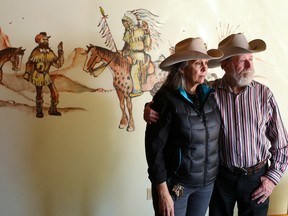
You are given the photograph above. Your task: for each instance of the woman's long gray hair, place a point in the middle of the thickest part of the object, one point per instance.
(175, 78)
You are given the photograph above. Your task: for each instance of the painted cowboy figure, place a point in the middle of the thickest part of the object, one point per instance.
(37, 72)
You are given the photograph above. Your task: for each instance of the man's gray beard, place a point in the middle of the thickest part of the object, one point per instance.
(244, 80)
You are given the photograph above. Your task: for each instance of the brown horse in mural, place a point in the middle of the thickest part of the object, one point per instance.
(12, 54)
(122, 81)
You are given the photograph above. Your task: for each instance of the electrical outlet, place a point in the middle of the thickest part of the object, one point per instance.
(148, 194)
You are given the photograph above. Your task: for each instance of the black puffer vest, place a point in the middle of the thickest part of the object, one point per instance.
(194, 138)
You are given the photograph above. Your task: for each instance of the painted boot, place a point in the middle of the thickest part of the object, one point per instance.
(53, 109)
(39, 113)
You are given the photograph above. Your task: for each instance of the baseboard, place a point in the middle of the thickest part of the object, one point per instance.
(279, 215)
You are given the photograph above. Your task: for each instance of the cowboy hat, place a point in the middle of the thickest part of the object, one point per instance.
(237, 44)
(190, 49)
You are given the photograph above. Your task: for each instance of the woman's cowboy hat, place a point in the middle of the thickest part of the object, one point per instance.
(190, 49)
(237, 44)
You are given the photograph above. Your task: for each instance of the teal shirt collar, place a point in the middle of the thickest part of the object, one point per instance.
(203, 91)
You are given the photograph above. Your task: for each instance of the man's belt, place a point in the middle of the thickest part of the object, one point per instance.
(245, 171)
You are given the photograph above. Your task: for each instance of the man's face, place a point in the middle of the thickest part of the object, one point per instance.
(125, 23)
(241, 69)
(44, 42)
(243, 62)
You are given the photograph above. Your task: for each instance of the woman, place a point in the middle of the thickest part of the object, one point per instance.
(182, 147)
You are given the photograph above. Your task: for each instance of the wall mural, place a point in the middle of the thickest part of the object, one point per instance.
(134, 71)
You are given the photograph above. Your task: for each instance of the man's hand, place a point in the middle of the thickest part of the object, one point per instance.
(60, 47)
(264, 190)
(149, 115)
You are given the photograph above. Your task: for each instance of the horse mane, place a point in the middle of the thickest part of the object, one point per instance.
(118, 59)
(7, 50)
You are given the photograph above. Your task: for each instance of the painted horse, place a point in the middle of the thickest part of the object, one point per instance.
(12, 54)
(122, 81)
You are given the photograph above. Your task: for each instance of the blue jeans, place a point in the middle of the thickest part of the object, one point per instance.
(230, 188)
(194, 202)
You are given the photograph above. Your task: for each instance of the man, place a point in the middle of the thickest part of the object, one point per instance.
(37, 72)
(137, 41)
(253, 140)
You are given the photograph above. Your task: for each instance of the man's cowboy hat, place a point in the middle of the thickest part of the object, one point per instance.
(190, 49)
(41, 35)
(237, 44)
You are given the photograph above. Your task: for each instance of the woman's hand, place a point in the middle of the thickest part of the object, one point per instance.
(166, 204)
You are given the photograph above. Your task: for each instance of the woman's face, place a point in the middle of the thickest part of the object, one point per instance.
(195, 72)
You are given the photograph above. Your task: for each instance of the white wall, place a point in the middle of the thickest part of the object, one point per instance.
(81, 164)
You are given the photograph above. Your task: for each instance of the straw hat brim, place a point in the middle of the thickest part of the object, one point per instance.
(189, 55)
(255, 46)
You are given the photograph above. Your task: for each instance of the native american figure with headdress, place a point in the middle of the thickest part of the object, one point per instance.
(140, 36)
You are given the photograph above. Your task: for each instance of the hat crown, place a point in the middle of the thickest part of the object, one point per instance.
(235, 40)
(190, 49)
(191, 44)
(43, 33)
(237, 44)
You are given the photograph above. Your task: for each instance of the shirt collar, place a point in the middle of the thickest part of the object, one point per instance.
(202, 92)
(44, 50)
